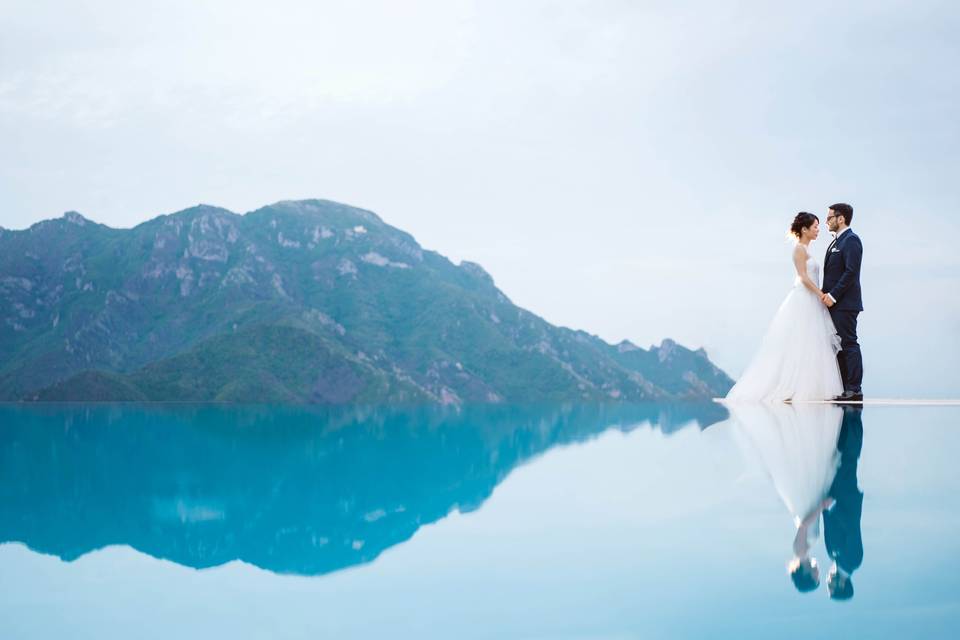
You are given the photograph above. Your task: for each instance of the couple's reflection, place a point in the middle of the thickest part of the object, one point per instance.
(810, 453)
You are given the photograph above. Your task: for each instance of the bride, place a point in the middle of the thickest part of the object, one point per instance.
(797, 359)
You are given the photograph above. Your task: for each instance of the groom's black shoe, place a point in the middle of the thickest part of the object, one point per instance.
(849, 396)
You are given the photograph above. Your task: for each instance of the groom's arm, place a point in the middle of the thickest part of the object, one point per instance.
(852, 252)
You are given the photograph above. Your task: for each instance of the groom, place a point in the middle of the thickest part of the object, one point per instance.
(841, 286)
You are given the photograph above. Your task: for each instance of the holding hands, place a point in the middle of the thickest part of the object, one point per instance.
(827, 300)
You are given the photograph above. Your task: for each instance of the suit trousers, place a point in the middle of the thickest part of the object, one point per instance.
(849, 358)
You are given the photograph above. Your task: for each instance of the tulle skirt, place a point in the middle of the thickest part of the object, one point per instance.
(797, 359)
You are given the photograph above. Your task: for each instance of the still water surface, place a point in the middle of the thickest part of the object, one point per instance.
(508, 522)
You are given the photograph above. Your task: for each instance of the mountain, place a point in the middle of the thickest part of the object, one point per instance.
(301, 301)
(294, 489)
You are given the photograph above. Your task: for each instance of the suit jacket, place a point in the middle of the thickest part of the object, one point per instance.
(841, 272)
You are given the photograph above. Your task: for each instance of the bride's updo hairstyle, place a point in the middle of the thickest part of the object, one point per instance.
(802, 221)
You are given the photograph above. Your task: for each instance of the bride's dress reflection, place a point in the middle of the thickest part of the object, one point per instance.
(810, 453)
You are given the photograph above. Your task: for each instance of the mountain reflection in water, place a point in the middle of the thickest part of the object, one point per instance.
(289, 489)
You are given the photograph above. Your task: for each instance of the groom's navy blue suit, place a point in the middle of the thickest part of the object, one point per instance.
(841, 279)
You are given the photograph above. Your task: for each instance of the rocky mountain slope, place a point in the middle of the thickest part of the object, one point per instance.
(300, 301)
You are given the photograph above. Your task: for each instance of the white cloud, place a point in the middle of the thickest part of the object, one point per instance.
(620, 167)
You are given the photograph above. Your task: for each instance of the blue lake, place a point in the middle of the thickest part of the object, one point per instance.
(562, 521)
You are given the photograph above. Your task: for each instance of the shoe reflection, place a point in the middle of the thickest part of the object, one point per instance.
(810, 452)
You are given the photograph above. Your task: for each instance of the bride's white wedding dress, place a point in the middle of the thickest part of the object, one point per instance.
(797, 359)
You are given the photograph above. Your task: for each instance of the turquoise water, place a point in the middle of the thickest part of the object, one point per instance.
(509, 522)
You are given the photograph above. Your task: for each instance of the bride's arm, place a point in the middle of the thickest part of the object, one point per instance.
(801, 542)
(800, 262)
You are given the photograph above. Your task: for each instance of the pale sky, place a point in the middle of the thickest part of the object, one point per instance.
(626, 168)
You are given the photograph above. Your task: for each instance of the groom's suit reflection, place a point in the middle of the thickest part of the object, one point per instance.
(841, 521)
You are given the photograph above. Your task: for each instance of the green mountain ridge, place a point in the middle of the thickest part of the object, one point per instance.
(300, 301)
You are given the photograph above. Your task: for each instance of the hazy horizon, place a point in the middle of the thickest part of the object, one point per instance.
(628, 169)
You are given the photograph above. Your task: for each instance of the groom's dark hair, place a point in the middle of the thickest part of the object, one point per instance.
(845, 210)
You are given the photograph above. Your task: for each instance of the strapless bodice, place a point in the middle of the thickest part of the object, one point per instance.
(813, 271)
